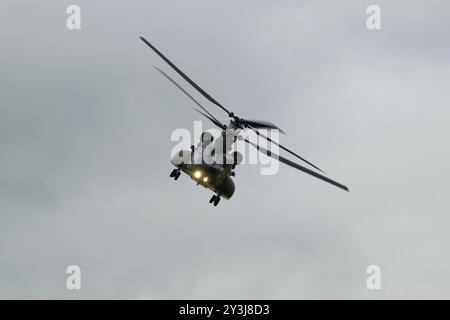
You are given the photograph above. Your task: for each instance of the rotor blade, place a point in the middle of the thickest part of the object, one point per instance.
(192, 83)
(284, 148)
(262, 124)
(185, 92)
(213, 120)
(297, 166)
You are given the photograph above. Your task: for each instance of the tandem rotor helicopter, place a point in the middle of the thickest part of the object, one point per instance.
(211, 162)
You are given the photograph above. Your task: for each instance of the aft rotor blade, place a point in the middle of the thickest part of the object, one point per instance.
(185, 77)
(284, 148)
(213, 120)
(261, 124)
(185, 92)
(297, 166)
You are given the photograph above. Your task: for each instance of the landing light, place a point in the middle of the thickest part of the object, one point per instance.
(205, 179)
(197, 174)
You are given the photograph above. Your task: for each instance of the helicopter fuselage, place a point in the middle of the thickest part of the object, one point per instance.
(208, 165)
(215, 178)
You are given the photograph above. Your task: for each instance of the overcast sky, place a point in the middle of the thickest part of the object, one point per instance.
(85, 125)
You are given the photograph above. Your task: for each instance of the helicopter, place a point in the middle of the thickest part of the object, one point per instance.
(212, 163)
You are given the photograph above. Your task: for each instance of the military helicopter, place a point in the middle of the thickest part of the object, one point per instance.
(211, 163)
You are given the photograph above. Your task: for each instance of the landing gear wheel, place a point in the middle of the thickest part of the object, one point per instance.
(213, 198)
(173, 173)
(216, 201)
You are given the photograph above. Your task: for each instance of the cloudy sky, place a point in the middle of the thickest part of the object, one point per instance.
(85, 125)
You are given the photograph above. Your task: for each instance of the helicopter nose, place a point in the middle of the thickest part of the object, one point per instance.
(180, 158)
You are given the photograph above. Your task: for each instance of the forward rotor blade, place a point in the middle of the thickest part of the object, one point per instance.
(262, 124)
(297, 166)
(185, 77)
(185, 92)
(213, 120)
(284, 148)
